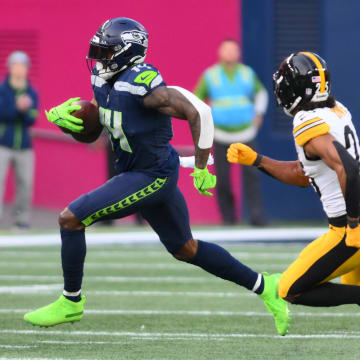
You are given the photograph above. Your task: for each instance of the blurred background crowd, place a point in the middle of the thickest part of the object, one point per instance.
(224, 52)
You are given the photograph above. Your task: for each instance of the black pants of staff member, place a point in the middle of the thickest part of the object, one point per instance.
(251, 188)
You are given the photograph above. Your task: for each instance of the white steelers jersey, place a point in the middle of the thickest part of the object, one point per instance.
(310, 124)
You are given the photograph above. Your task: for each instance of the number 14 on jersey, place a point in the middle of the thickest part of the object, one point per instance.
(112, 120)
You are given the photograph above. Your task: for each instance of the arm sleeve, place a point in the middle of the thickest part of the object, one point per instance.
(201, 89)
(308, 127)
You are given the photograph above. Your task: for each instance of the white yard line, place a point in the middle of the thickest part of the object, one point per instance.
(195, 313)
(37, 358)
(169, 336)
(82, 342)
(170, 293)
(149, 237)
(119, 254)
(54, 288)
(131, 266)
(2, 346)
(31, 289)
(116, 279)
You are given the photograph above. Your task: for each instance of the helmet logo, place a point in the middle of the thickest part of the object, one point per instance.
(95, 39)
(321, 96)
(134, 36)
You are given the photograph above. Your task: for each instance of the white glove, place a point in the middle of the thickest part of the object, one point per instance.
(189, 161)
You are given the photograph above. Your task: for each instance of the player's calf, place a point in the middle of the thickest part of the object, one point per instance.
(219, 262)
(73, 251)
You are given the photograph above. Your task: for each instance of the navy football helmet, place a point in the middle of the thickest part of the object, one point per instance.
(302, 77)
(118, 44)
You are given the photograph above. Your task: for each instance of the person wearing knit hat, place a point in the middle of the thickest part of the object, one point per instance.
(18, 111)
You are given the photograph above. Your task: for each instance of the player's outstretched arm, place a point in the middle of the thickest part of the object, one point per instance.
(288, 172)
(180, 103)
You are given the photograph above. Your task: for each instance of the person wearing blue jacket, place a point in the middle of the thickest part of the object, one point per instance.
(18, 112)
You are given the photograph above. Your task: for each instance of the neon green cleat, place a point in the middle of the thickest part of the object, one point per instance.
(59, 312)
(275, 304)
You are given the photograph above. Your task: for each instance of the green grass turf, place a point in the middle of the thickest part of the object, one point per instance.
(145, 278)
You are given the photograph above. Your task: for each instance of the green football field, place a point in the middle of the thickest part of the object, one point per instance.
(142, 304)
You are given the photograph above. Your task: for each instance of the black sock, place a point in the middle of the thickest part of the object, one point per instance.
(329, 294)
(217, 261)
(73, 251)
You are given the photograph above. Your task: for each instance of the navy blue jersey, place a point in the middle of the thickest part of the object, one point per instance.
(139, 136)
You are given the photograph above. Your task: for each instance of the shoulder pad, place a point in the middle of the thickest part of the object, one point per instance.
(308, 125)
(140, 80)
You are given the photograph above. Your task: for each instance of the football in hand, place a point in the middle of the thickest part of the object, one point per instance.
(89, 113)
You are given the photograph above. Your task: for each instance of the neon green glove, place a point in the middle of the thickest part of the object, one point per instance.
(203, 181)
(61, 116)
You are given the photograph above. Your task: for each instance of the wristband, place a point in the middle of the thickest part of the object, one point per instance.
(353, 224)
(258, 160)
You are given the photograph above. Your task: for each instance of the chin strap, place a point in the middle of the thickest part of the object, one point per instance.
(104, 73)
(293, 106)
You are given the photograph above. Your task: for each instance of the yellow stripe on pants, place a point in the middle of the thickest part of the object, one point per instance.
(314, 252)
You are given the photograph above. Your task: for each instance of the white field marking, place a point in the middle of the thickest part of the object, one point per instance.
(50, 289)
(116, 279)
(195, 313)
(149, 237)
(118, 253)
(131, 266)
(32, 358)
(17, 346)
(31, 289)
(169, 336)
(82, 342)
(171, 293)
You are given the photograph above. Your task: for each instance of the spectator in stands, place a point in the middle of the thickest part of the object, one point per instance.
(18, 111)
(239, 101)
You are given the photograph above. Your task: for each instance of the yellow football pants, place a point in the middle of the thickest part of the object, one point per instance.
(323, 259)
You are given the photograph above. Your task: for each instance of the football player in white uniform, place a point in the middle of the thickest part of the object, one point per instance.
(328, 155)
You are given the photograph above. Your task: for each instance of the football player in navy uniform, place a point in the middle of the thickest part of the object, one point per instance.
(135, 107)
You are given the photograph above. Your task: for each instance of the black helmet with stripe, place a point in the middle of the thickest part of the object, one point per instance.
(302, 78)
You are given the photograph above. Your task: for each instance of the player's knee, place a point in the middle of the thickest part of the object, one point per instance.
(284, 291)
(187, 251)
(68, 221)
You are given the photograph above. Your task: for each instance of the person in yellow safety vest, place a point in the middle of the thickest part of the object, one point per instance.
(238, 101)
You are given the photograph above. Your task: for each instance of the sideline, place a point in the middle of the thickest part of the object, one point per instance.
(148, 237)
